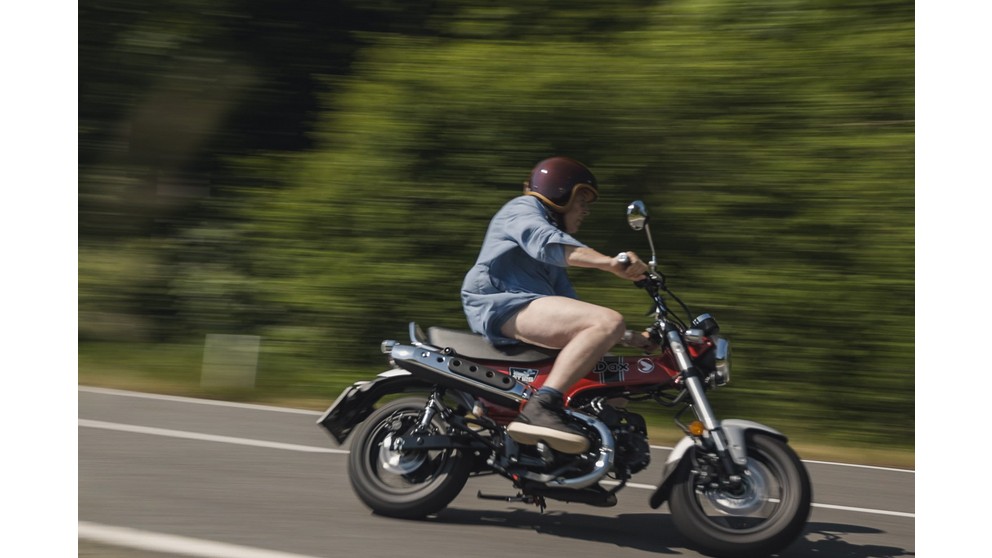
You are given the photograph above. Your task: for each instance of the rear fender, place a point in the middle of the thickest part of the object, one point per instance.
(357, 402)
(736, 432)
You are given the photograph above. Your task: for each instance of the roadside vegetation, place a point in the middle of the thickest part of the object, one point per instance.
(316, 175)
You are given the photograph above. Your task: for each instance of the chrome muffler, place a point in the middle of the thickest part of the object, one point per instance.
(435, 366)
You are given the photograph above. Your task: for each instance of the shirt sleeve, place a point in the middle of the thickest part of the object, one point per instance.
(564, 287)
(527, 225)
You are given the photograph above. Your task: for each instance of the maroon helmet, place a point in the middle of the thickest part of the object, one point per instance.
(555, 182)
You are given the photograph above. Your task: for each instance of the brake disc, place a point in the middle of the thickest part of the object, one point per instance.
(751, 497)
(399, 462)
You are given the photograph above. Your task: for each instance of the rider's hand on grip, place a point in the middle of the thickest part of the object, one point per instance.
(629, 266)
(639, 340)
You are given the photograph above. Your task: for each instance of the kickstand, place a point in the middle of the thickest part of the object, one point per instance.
(520, 497)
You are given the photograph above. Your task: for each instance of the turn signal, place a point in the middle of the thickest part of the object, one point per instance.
(696, 428)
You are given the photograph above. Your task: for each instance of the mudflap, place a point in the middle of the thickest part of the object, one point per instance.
(680, 457)
(357, 402)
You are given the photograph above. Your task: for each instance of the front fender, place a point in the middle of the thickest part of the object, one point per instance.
(357, 402)
(735, 430)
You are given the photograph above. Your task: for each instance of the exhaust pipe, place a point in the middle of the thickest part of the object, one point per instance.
(456, 372)
(603, 465)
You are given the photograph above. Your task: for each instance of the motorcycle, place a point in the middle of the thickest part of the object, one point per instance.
(734, 487)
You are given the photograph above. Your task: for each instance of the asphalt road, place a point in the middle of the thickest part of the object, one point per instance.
(164, 477)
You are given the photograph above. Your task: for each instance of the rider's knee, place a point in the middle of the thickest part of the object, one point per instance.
(612, 324)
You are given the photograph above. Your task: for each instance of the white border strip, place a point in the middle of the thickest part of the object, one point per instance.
(173, 544)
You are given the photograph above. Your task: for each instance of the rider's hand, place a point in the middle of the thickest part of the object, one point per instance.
(627, 265)
(639, 340)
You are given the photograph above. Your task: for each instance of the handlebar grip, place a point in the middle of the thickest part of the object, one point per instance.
(623, 258)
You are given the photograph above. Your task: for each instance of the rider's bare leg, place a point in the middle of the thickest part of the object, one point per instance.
(583, 332)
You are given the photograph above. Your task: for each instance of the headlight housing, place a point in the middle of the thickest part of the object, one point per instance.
(722, 353)
(707, 324)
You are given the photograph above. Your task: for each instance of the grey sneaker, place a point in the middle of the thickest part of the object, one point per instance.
(541, 421)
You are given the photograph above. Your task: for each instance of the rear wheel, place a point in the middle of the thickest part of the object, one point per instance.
(762, 516)
(404, 483)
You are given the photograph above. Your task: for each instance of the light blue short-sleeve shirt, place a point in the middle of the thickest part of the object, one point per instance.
(522, 259)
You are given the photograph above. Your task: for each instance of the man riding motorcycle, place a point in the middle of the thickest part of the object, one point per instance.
(518, 291)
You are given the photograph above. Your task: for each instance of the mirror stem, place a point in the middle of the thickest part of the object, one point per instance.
(654, 259)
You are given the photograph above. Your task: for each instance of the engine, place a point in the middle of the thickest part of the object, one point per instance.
(633, 451)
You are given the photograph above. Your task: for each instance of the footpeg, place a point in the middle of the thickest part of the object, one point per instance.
(520, 497)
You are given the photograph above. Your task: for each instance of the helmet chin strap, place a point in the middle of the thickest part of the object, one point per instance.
(554, 217)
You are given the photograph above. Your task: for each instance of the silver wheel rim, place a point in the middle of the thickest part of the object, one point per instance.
(753, 495)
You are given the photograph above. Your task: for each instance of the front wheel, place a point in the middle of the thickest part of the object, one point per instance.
(406, 484)
(761, 516)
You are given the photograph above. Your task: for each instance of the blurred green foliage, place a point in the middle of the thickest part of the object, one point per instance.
(321, 173)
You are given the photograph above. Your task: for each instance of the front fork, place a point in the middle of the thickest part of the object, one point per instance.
(704, 411)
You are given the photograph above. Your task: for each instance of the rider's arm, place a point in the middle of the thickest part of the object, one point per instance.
(583, 256)
(525, 222)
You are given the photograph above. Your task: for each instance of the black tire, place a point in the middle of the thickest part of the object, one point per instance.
(404, 484)
(765, 518)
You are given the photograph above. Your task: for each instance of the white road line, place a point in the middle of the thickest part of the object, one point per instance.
(173, 544)
(124, 393)
(179, 399)
(204, 437)
(864, 510)
(824, 506)
(877, 468)
(311, 449)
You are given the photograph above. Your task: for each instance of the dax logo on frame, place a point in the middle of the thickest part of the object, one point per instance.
(611, 369)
